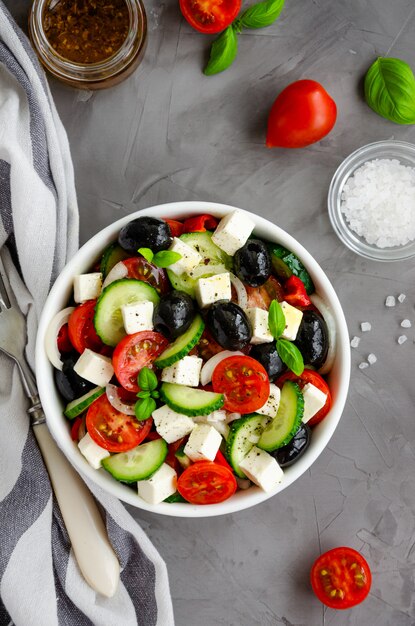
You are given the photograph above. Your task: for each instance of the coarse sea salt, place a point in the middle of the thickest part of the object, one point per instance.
(378, 202)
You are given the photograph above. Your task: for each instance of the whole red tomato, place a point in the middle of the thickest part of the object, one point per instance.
(302, 114)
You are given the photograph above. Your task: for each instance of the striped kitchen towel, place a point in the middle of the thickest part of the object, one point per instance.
(40, 584)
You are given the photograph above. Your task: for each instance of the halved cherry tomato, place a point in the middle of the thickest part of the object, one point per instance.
(262, 296)
(171, 458)
(81, 329)
(244, 383)
(135, 352)
(310, 376)
(220, 459)
(295, 292)
(200, 223)
(206, 482)
(63, 341)
(176, 227)
(76, 425)
(141, 269)
(152, 435)
(341, 578)
(210, 16)
(114, 430)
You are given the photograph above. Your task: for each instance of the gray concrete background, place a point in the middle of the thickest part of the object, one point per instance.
(169, 133)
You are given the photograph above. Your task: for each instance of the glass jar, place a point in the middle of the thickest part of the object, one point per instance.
(84, 74)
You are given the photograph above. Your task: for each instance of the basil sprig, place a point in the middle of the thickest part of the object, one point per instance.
(163, 258)
(146, 403)
(390, 90)
(225, 48)
(287, 351)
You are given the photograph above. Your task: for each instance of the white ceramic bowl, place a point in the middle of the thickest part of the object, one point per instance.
(53, 405)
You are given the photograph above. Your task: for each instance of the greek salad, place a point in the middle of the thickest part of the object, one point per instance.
(192, 359)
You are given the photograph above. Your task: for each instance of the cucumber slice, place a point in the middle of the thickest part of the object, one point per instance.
(79, 405)
(110, 257)
(241, 439)
(214, 261)
(108, 319)
(286, 263)
(182, 345)
(137, 464)
(183, 459)
(190, 401)
(285, 424)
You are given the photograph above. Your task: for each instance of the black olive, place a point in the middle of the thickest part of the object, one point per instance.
(174, 314)
(267, 355)
(70, 385)
(252, 263)
(229, 325)
(292, 451)
(313, 339)
(145, 232)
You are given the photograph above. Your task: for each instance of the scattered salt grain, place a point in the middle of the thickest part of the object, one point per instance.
(402, 339)
(378, 202)
(355, 342)
(401, 297)
(390, 301)
(365, 327)
(406, 324)
(363, 365)
(371, 358)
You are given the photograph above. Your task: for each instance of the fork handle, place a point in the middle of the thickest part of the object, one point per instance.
(93, 551)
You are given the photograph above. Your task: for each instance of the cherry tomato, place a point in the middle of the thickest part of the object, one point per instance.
(295, 292)
(76, 425)
(207, 346)
(113, 430)
(210, 16)
(206, 482)
(81, 329)
(244, 383)
(171, 455)
(262, 296)
(302, 114)
(135, 352)
(141, 269)
(310, 376)
(176, 227)
(221, 460)
(63, 341)
(200, 223)
(153, 435)
(341, 578)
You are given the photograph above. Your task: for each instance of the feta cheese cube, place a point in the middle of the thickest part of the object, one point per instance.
(258, 319)
(262, 469)
(214, 288)
(270, 407)
(190, 257)
(233, 231)
(203, 443)
(171, 425)
(92, 451)
(293, 319)
(160, 486)
(183, 372)
(314, 400)
(87, 286)
(137, 316)
(94, 367)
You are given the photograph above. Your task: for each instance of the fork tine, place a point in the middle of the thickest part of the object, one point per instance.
(5, 288)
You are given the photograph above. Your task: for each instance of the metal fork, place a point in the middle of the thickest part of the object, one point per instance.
(92, 549)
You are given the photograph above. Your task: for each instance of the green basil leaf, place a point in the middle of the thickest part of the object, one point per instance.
(146, 253)
(144, 408)
(390, 90)
(291, 356)
(143, 394)
(223, 52)
(147, 380)
(155, 394)
(262, 14)
(164, 258)
(276, 319)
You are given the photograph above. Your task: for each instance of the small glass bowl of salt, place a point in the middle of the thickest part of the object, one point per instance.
(371, 201)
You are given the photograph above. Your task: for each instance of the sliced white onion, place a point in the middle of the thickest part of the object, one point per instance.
(231, 417)
(51, 337)
(222, 428)
(207, 370)
(243, 483)
(115, 400)
(240, 291)
(331, 326)
(118, 271)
